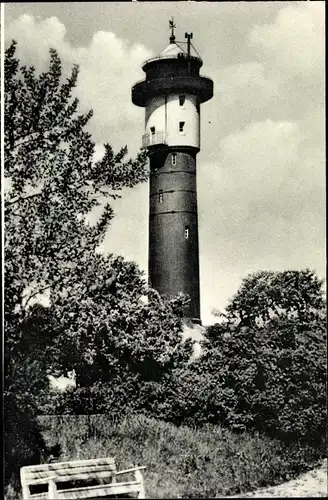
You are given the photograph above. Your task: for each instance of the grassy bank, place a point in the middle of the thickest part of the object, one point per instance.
(181, 462)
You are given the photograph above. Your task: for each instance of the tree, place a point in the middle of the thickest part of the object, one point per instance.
(102, 319)
(269, 352)
(116, 340)
(54, 184)
(265, 294)
(277, 374)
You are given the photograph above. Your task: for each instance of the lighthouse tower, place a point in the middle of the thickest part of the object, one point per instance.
(171, 95)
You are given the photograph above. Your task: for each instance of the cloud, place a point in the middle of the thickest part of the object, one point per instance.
(35, 38)
(242, 93)
(261, 187)
(104, 66)
(294, 43)
(282, 77)
(196, 334)
(261, 208)
(274, 172)
(264, 174)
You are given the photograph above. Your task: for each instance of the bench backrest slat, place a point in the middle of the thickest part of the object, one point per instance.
(68, 465)
(62, 478)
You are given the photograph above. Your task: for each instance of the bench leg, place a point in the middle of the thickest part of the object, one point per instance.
(139, 478)
(26, 492)
(52, 490)
(142, 494)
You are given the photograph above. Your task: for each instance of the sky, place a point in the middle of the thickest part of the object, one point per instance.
(261, 168)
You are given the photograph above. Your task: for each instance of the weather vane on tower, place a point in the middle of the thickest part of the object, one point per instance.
(172, 28)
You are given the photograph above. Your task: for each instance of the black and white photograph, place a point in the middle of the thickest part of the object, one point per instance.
(163, 174)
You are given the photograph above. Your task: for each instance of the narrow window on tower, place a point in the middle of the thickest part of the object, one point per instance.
(181, 127)
(152, 138)
(186, 233)
(174, 158)
(160, 196)
(182, 99)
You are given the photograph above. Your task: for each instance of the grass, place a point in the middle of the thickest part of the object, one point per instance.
(181, 462)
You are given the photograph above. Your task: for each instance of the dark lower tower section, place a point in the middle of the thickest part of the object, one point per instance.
(173, 225)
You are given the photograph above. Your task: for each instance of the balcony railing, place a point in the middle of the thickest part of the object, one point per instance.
(152, 139)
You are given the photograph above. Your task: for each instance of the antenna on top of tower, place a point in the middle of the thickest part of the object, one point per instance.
(189, 37)
(172, 28)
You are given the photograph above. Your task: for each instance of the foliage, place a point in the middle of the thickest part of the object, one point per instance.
(117, 344)
(268, 375)
(53, 183)
(277, 376)
(24, 443)
(266, 294)
(107, 330)
(102, 319)
(30, 354)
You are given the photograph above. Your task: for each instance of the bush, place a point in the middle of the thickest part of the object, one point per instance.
(270, 379)
(24, 444)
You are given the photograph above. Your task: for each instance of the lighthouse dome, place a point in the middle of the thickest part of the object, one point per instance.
(172, 50)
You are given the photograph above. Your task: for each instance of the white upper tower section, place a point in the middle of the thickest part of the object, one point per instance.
(174, 118)
(171, 94)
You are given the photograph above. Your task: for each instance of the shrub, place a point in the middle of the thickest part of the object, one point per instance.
(23, 441)
(271, 379)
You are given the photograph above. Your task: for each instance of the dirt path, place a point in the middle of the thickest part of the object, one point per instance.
(310, 484)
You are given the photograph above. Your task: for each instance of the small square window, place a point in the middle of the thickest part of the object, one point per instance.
(182, 99)
(181, 126)
(160, 196)
(152, 129)
(174, 158)
(186, 232)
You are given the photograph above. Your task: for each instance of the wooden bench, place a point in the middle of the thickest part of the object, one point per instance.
(102, 469)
